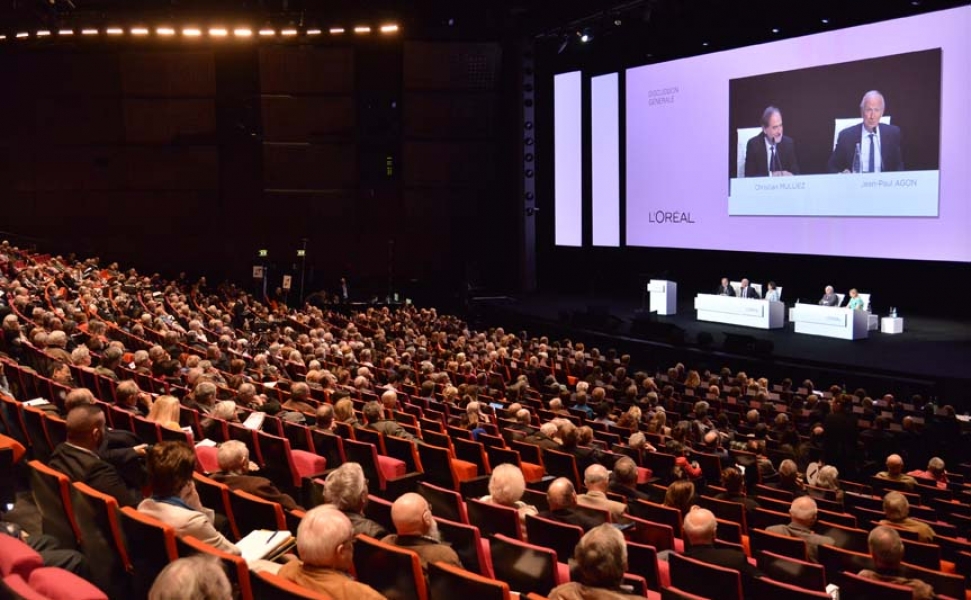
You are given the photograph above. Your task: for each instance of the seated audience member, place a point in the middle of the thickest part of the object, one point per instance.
(700, 527)
(506, 488)
(49, 549)
(895, 472)
(344, 412)
(198, 577)
(325, 543)
(789, 479)
(896, 509)
(562, 498)
(165, 412)
(79, 458)
(935, 470)
(131, 399)
(544, 438)
(596, 479)
(803, 516)
(299, 400)
(418, 531)
(734, 483)
(887, 552)
(233, 457)
(346, 489)
(224, 410)
(374, 418)
(681, 495)
(174, 497)
(325, 417)
(599, 564)
(584, 455)
(203, 398)
(638, 441)
(683, 468)
(828, 479)
(623, 480)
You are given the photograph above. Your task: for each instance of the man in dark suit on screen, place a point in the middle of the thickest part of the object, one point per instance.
(880, 146)
(770, 152)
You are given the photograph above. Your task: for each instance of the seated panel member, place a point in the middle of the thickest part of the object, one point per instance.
(772, 294)
(770, 152)
(725, 289)
(746, 291)
(855, 303)
(880, 145)
(829, 298)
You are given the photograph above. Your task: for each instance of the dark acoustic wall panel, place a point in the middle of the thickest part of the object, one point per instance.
(449, 164)
(453, 66)
(168, 74)
(441, 115)
(163, 120)
(79, 120)
(308, 166)
(306, 70)
(63, 73)
(307, 118)
(121, 168)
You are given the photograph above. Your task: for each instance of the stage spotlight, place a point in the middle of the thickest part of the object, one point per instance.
(389, 28)
(243, 32)
(266, 32)
(775, 30)
(313, 32)
(165, 31)
(2, 37)
(89, 32)
(43, 33)
(586, 35)
(114, 31)
(21, 35)
(289, 32)
(362, 29)
(336, 30)
(139, 30)
(65, 32)
(218, 32)
(191, 32)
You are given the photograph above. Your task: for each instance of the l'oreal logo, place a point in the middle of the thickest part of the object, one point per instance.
(662, 216)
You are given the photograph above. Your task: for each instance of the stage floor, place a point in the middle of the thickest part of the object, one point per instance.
(929, 348)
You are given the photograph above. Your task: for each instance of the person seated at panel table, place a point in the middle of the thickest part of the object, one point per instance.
(771, 153)
(829, 297)
(879, 143)
(746, 291)
(725, 289)
(856, 302)
(772, 294)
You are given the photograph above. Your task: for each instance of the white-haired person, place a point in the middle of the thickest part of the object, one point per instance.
(896, 509)
(828, 479)
(935, 471)
(234, 463)
(199, 577)
(506, 488)
(596, 479)
(325, 543)
(346, 489)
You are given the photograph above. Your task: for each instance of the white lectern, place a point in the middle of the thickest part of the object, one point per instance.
(664, 296)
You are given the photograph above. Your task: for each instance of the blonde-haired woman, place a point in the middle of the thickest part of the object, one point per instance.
(165, 412)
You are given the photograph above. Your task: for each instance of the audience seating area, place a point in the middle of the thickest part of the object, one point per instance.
(437, 366)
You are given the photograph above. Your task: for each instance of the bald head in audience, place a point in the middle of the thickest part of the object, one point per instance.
(700, 526)
(325, 539)
(86, 426)
(412, 515)
(561, 494)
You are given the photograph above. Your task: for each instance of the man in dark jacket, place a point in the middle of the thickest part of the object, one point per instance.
(374, 418)
(562, 498)
(700, 528)
(78, 457)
